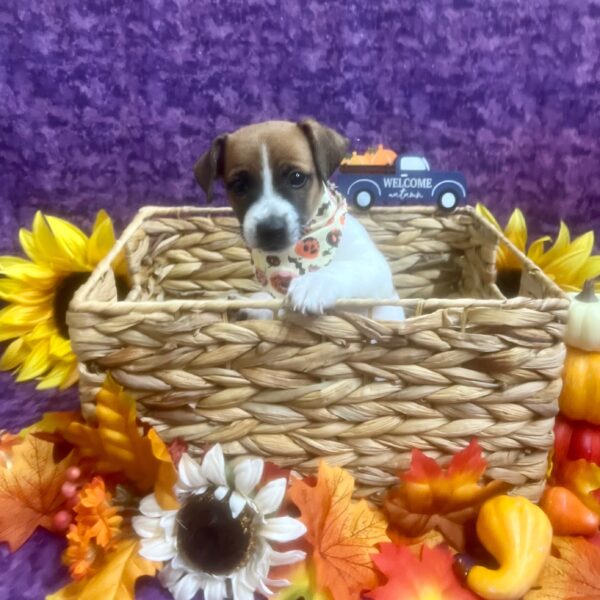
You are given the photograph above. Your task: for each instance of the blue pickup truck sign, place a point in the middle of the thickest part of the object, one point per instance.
(382, 177)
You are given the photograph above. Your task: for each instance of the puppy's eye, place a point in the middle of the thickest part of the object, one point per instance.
(297, 179)
(239, 186)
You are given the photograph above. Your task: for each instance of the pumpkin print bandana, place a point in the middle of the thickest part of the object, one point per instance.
(313, 251)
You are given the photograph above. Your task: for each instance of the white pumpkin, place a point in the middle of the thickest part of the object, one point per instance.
(583, 322)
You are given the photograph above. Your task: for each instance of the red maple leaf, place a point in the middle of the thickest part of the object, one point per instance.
(410, 577)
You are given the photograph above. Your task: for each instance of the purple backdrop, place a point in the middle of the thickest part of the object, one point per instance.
(106, 106)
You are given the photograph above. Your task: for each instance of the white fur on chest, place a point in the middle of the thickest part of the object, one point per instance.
(357, 270)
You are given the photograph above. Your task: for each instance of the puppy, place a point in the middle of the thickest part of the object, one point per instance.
(304, 244)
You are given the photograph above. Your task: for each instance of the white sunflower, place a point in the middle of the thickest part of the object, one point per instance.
(218, 540)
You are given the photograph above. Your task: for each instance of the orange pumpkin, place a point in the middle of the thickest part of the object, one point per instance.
(383, 156)
(380, 157)
(580, 396)
(308, 247)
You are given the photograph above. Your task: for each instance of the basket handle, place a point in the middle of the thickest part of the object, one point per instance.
(102, 282)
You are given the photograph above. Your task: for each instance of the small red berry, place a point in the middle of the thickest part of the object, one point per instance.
(73, 473)
(61, 520)
(69, 489)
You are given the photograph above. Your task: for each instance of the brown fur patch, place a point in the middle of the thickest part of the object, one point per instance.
(306, 146)
(288, 149)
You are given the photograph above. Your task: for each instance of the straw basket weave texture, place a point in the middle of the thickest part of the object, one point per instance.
(360, 393)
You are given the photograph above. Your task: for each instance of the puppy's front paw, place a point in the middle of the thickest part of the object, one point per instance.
(313, 293)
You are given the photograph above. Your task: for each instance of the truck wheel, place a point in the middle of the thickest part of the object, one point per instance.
(448, 201)
(364, 199)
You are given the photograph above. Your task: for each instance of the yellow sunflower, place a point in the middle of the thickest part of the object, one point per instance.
(568, 263)
(38, 291)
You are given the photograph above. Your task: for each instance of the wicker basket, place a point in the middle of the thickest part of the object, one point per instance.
(361, 393)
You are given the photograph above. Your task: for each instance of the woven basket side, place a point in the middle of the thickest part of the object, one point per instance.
(182, 252)
(297, 390)
(479, 263)
(194, 256)
(429, 255)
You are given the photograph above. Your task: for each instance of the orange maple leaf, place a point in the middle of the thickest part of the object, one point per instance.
(30, 490)
(425, 576)
(117, 444)
(571, 573)
(343, 534)
(431, 497)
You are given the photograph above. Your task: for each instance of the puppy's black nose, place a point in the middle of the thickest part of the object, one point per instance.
(272, 234)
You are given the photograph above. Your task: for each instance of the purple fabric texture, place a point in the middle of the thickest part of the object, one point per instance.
(107, 104)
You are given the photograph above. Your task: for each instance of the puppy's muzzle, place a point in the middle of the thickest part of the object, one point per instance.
(272, 234)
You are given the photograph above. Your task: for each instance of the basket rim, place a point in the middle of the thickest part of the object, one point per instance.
(83, 302)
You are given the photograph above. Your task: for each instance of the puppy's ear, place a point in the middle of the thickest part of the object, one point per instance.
(328, 146)
(210, 166)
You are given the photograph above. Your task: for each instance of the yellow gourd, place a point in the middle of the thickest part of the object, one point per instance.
(583, 322)
(518, 534)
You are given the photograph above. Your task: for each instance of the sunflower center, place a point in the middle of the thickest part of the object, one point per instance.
(63, 296)
(208, 536)
(509, 282)
(65, 291)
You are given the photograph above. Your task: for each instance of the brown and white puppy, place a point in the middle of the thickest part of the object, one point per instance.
(275, 175)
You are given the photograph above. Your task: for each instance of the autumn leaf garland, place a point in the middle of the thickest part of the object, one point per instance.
(350, 544)
(353, 550)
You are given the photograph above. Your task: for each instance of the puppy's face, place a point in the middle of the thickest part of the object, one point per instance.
(274, 174)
